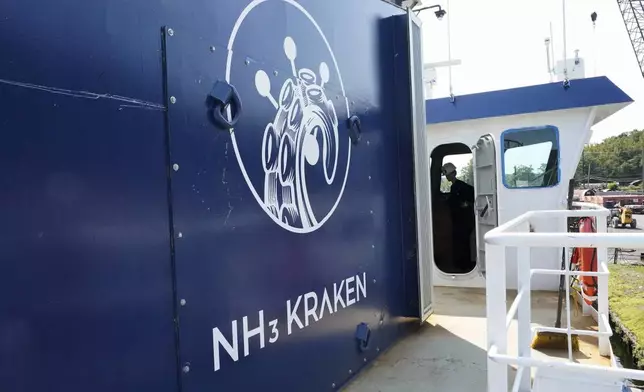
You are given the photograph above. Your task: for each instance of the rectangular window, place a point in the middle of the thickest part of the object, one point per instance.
(530, 157)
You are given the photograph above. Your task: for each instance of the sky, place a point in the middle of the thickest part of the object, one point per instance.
(501, 45)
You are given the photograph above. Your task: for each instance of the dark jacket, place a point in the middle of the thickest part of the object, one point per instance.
(462, 203)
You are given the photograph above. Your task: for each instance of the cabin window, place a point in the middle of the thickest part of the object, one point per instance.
(530, 157)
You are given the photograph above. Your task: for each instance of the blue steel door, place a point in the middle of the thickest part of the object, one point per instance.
(286, 233)
(86, 299)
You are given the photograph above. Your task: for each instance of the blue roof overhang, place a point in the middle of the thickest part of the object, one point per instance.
(588, 92)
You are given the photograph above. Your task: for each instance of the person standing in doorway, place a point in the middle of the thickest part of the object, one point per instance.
(460, 190)
(461, 201)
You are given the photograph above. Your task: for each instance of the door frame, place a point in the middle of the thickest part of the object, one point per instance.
(425, 260)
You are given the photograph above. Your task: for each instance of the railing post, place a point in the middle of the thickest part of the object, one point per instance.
(496, 308)
(523, 315)
(496, 301)
(602, 289)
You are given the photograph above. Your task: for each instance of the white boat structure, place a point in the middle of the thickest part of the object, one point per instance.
(478, 336)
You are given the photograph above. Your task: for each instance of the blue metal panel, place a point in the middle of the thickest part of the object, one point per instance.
(522, 100)
(404, 126)
(236, 255)
(85, 275)
(90, 240)
(85, 278)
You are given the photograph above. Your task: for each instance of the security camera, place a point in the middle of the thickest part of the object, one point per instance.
(439, 13)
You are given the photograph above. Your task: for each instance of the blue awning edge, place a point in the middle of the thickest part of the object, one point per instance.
(596, 91)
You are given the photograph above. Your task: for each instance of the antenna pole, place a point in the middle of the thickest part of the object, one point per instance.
(449, 53)
(565, 54)
(594, 50)
(552, 51)
(548, 57)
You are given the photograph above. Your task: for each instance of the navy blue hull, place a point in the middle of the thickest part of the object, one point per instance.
(147, 247)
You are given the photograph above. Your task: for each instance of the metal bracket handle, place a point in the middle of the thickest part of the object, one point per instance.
(355, 129)
(483, 210)
(223, 96)
(363, 335)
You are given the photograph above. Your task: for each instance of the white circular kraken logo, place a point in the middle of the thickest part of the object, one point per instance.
(302, 135)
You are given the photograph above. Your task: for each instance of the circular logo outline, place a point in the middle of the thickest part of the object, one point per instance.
(260, 201)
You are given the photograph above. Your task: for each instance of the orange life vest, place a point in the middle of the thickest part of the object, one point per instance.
(586, 260)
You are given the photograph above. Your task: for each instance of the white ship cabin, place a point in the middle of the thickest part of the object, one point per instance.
(496, 263)
(526, 143)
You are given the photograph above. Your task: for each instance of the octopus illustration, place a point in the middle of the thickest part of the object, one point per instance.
(305, 118)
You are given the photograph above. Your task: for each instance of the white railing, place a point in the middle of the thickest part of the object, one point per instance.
(516, 233)
(587, 206)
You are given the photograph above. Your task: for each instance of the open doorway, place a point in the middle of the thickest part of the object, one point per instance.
(454, 231)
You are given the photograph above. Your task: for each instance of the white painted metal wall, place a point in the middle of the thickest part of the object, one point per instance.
(574, 131)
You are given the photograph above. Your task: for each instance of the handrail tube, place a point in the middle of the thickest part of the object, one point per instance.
(495, 310)
(513, 222)
(541, 271)
(604, 318)
(571, 240)
(518, 233)
(524, 332)
(568, 317)
(572, 330)
(549, 214)
(590, 206)
(516, 385)
(618, 373)
(571, 213)
(513, 308)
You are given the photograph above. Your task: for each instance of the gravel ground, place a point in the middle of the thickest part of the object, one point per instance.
(627, 256)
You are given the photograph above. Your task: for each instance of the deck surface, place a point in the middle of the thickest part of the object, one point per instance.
(448, 353)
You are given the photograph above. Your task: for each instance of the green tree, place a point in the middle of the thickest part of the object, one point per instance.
(445, 185)
(523, 175)
(467, 174)
(619, 157)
